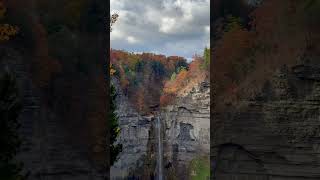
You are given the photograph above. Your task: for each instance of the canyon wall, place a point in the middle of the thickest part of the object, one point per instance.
(276, 134)
(134, 136)
(185, 134)
(62, 88)
(187, 128)
(51, 148)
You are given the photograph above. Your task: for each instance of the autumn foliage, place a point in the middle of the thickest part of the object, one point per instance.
(167, 99)
(246, 53)
(185, 79)
(6, 30)
(142, 76)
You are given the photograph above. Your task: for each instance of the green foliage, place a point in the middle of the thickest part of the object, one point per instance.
(139, 66)
(158, 68)
(115, 149)
(200, 168)
(173, 76)
(232, 23)
(179, 69)
(10, 141)
(311, 8)
(310, 3)
(181, 64)
(206, 57)
(53, 27)
(143, 75)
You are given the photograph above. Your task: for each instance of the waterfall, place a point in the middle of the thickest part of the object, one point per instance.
(160, 155)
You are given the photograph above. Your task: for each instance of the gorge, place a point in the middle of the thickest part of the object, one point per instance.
(164, 142)
(266, 91)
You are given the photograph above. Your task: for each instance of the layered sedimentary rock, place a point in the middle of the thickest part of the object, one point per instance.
(49, 148)
(134, 136)
(274, 136)
(187, 127)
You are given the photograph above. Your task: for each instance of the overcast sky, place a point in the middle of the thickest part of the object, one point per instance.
(169, 27)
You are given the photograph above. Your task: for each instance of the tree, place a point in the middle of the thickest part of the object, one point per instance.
(140, 103)
(113, 19)
(10, 107)
(6, 30)
(115, 149)
(112, 71)
(206, 57)
(173, 76)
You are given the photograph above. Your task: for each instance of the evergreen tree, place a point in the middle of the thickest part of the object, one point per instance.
(206, 57)
(115, 149)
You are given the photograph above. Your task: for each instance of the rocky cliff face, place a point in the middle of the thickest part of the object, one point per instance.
(185, 133)
(49, 149)
(135, 132)
(275, 135)
(187, 128)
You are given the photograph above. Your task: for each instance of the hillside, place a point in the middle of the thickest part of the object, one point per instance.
(150, 79)
(144, 81)
(61, 84)
(265, 81)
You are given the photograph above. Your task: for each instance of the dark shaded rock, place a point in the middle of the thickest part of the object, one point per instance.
(185, 130)
(187, 127)
(275, 136)
(134, 136)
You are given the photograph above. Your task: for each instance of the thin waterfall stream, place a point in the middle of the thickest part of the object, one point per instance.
(160, 154)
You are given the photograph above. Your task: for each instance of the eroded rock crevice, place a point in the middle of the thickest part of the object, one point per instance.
(273, 136)
(185, 135)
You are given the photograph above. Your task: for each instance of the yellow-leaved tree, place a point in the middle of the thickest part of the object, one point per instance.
(113, 19)
(6, 30)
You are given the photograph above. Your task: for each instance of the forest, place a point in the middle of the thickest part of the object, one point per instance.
(149, 79)
(251, 42)
(44, 49)
(264, 78)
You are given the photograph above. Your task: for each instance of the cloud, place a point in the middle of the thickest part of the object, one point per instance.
(170, 27)
(167, 24)
(132, 40)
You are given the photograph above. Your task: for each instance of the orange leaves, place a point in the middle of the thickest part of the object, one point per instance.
(171, 87)
(6, 30)
(230, 54)
(140, 103)
(112, 71)
(184, 81)
(166, 99)
(140, 74)
(194, 66)
(181, 77)
(267, 17)
(132, 60)
(245, 58)
(233, 44)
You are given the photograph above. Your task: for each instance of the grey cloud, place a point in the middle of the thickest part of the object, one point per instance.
(170, 27)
